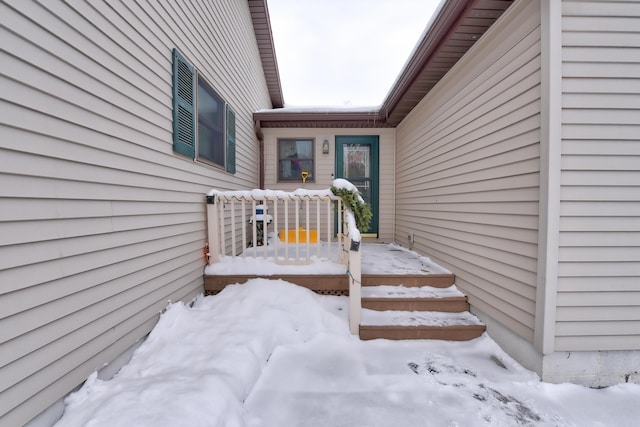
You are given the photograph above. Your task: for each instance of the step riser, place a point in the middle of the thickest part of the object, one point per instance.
(433, 280)
(416, 304)
(448, 333)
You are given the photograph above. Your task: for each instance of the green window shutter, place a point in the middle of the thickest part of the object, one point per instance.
(231, 140)
(184, 120)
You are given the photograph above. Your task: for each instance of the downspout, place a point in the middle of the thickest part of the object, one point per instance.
(260, 137)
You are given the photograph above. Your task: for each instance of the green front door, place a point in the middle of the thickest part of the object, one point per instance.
(357, 161)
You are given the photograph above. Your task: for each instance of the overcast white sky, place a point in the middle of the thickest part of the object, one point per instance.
(344, 52)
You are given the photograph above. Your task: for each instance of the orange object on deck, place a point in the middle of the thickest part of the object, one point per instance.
(299, 236)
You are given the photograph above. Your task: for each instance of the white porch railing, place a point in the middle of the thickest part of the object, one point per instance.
(285, 228)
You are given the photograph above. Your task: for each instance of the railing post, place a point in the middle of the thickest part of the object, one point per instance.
(355, 283)
(213, 230)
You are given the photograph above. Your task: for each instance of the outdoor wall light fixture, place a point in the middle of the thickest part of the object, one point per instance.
(325, 147)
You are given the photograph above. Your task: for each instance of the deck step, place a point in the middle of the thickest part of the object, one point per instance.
(409, 280)
(426, 312)
(425, 298)
(407, 323)
(448, 333)
(450, 305)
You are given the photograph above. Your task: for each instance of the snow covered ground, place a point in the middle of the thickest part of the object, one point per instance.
(272, 354)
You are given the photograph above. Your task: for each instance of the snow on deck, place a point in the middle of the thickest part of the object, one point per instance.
(377, 258)
(417, 318)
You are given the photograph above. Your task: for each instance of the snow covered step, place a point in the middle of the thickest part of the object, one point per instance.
(386, 291)
(425, 298)
(440, 280)
(392, 324)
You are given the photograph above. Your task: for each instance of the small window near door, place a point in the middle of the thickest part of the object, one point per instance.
(295, 156)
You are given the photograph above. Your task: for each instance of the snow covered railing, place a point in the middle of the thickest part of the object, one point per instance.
(287, 228)
(284, 227)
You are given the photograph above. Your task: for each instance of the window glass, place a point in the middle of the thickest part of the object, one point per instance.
(211, 139)
(294, 157)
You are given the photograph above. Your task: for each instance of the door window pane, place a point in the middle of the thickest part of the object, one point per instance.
(357, 161)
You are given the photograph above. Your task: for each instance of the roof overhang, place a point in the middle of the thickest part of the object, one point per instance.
(320, 118)
(264, 37)
(454, 29)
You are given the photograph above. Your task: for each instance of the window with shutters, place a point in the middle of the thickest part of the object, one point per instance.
(204, 126)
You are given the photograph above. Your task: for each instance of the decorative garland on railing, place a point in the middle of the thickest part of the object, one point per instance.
(353, 200)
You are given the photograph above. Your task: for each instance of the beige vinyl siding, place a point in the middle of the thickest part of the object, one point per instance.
(468, 170)
(598, 302)
(325, 166)
(101, 223)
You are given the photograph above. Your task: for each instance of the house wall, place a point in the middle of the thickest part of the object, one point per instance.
(325, 166)
(467, 180)
(101, 223)
(598, 297)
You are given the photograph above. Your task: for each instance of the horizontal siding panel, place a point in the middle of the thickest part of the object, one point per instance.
(599, 240)
(601, 131)
(599, 298)
(117, 276)
(598, 269)
(75, 358)
(582, 209)
(598, 343)
(612, 8)
(468, 98)
(52, 209)
(113, 154)
(42, 187)
(599, 254)
(576, 329)
(595, 284)
(590, 85)
(525, 209)
(508, 140)
(512, 285)
(598, 313)
(601, 102)
(104, 223)
(610, 162)
(519, 255)
(624, 23)
(599, 54)
(614, 254)
(474, 189)
(512, 120)
(23, 164)
(525, 224)
(613, 178)
(36, 231)
(597, 224)
(600, 194)
(596, 116)
(469, 154)
(509, 164)
(600, 70)
(498, 230)
(30, 275)
(76, 320)
(36, 252)
(601, 39)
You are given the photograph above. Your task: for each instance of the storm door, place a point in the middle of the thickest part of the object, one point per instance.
(357, 161)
